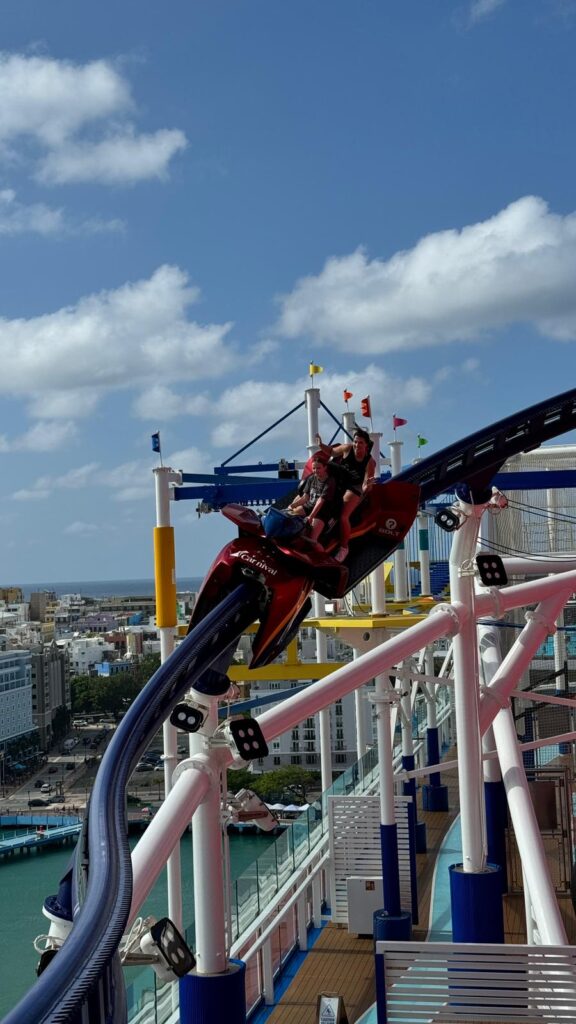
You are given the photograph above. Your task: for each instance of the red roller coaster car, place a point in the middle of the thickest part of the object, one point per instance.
(290, 569)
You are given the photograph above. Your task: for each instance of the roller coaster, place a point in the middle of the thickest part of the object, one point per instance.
(271, 584)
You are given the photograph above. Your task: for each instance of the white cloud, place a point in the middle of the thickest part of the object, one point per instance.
(68, 123)
(19, 219)
(81, 529)
(238, 412)
(136, 336)
(260, 351)
(162, 403)
(31, 495)
(121, 160)
(77, 478)
(64, 404)
(44, 436)
(51, 100)
(518, 266)
(191, 460)
(480, 9)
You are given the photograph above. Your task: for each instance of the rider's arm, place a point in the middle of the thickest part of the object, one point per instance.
(332, 449)
(298, 501)
(369, 478)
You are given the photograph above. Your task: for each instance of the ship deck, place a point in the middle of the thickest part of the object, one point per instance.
(343, 964)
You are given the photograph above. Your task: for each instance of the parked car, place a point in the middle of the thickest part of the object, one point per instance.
(38, 783)
(51, 769)
(142, 766)
(151, 758)
(38, 803)
(45, 788)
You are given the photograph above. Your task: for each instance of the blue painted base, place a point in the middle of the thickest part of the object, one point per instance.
(206, 998)
(496, 822)
(434, 798)
(421, 837)
(476, 899)
(396, 927)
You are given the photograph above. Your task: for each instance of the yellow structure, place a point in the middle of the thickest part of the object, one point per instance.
(358, 631)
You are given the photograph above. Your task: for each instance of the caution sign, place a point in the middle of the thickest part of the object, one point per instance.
(330, 1009)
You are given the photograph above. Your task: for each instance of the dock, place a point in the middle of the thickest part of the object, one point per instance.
(30, 842)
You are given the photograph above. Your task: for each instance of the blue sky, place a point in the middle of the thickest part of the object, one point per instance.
(198, 199)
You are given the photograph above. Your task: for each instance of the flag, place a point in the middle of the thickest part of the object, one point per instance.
(365, 408)
(397, 421)
(156, 442)
(348, 395)
(314, 368)
(421, 441)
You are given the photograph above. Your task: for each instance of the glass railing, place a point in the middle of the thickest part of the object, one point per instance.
(254, 890)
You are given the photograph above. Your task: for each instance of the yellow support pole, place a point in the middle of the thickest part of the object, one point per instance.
(165, 576)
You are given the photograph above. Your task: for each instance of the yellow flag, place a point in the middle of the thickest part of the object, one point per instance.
(315, 369)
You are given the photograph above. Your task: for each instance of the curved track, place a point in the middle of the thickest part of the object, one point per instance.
(88, 961)
(88, 955)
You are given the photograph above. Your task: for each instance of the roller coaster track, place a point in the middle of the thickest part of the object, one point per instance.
(84, 976)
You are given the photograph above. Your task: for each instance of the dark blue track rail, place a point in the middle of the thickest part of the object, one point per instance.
(476, 459)
(90, 952)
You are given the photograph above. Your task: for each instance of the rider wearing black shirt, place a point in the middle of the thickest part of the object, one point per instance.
(359, 468)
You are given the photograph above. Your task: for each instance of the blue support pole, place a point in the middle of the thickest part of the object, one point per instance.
(206, 998)
(434, 793)
(409, 789)
(476, 898)
(496, 821)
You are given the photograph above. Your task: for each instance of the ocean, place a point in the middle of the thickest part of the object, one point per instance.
(106, 588)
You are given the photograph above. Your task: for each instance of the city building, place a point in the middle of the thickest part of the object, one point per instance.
(16, 718)
(50, 692)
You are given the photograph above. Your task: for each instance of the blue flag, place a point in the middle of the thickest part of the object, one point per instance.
(156, 442)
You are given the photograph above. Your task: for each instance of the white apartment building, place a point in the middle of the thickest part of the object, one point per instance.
(85, 652)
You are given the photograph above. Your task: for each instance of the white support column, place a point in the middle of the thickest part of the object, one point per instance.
(529, 916)
(267, 974)
(317, 901)
(400, 567)
(466, 692)
(207, 846)
(540, 623)
(362, 737)
(319, 609)
(301, 923)
(531, 848)
(165, 570)
(424, 553)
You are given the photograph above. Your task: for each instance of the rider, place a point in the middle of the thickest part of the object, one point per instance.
(317, 496)
(358, 468)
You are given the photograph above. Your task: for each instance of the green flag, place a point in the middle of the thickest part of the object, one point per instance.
(421, 441)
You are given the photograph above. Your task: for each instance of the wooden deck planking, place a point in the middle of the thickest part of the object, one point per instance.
(343, 964)
(338, 963)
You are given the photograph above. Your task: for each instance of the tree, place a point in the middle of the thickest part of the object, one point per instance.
(292, 782)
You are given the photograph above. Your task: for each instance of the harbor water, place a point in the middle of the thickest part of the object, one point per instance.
(25, 881)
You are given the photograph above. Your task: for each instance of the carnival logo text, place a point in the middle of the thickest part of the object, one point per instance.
(245, 556)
